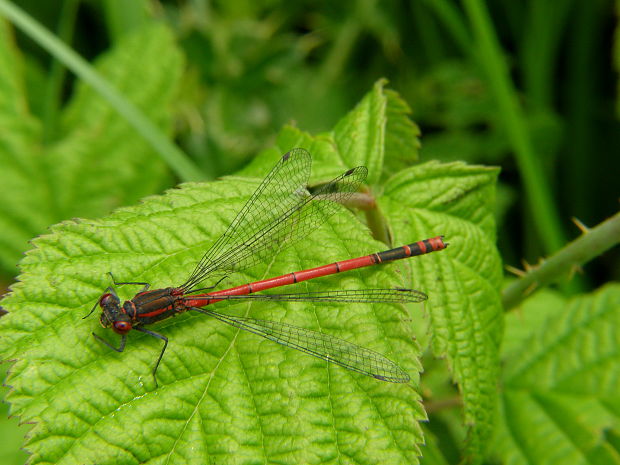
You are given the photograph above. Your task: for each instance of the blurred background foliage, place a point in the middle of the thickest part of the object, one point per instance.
(253, 66)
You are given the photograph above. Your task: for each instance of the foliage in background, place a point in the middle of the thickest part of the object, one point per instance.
(253, 67)
(487, 83)
(94, 162)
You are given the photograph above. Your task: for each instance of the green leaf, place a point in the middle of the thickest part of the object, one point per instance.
(432, 454)
(362, 132)
(97, 162)
(121, 167)
(402, 142)
(229, 396)
(224, 395)
(463, 284)
(545, 305)
(11, 434)
(560, 401)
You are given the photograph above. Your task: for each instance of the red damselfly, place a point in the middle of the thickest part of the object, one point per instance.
(281, 211)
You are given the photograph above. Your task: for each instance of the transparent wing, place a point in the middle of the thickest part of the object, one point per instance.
(320, 345)
(369, 296)
(280, 212)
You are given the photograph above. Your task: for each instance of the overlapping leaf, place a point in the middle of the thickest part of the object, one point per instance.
(230, 393)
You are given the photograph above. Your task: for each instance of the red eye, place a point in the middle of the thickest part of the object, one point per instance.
(122, 327)
(105, 299)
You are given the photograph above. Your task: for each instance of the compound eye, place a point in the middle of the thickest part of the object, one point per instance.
(122, 327)
(105, 299)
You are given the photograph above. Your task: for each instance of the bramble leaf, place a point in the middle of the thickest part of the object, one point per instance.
(24, 210)
(456, 200)
(560, 401)
(222, 394)
(402, 142)
(229, 396)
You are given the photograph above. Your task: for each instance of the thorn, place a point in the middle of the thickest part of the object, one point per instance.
(526, 265)
(531, 288)
(582, 227)
(514, 270)
(573, 270)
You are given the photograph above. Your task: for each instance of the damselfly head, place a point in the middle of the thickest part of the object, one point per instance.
(113, 317)
(110, 309)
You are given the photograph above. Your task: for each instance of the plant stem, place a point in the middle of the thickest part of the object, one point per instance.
(57, 72)
(175, 158)
(591, 244)
(546, 23)
(449, 15)
(539, 198)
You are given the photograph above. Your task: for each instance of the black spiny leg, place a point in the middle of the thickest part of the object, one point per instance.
(120, 348)
(158, 336)
(146, 285)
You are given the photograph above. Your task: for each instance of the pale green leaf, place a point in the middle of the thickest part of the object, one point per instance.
(456, 200)
(25, 209)
(360, 136)
(402, 142)
(532, 314)
(560, 401)
(223, 396)
(101, 162)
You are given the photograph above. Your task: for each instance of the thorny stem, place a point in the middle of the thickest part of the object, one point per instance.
(591, 244)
